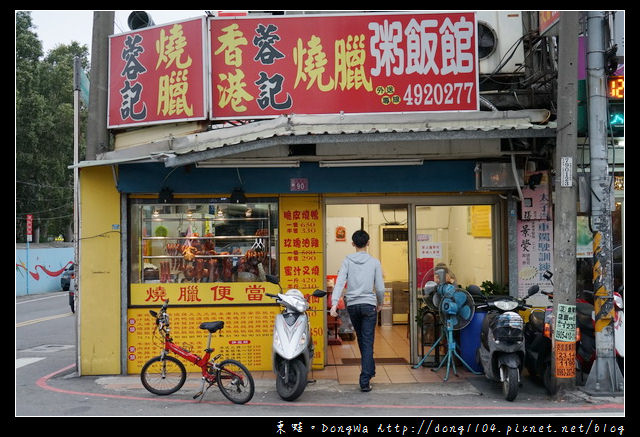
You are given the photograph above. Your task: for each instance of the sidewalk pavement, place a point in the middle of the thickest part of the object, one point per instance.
(432, 384)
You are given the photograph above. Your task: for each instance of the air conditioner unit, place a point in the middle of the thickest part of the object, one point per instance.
(499, 36)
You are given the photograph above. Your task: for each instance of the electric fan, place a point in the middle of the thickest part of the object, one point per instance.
(456, 308)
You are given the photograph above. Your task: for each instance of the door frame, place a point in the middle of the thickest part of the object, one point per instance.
(499, 236)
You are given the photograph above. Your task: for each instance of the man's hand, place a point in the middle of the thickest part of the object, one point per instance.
(334, 311)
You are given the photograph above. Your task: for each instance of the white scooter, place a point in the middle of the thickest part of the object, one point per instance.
(618, 329)
(292, 351)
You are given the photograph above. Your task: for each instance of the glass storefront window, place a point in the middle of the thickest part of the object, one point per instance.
(458, 237)
(202, 241)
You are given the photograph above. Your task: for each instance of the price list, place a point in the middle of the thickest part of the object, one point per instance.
(302, 258)
(246, 335)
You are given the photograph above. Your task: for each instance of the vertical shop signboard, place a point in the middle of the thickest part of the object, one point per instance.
(535, 233)
(158, 75)
(536, 197)
(356, 63)
(535, 253)
(302, 259)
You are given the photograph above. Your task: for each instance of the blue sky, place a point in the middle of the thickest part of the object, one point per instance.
(55, 27)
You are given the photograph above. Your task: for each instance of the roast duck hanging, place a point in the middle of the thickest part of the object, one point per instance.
(197, 261)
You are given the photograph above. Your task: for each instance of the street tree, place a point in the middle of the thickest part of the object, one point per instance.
(44, 132)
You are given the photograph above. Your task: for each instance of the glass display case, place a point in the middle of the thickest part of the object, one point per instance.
(203, 242)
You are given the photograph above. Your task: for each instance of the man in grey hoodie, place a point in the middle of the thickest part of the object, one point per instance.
(362, 274)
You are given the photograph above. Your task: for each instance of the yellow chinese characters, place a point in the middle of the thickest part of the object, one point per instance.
(349, 57)
(230, 43)
(313, 65)
(173, 86)
(233, 92)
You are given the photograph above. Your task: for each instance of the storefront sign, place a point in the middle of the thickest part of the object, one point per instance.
(302, 258)
(546, 20)
(158, 75)
(535, 253)
(205, 293)
(536, 202)
(369, 63)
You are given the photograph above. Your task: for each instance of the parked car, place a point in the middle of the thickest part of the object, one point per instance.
(67, 276)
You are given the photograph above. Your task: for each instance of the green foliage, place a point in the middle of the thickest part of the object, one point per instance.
(490, 288)
(44, 131)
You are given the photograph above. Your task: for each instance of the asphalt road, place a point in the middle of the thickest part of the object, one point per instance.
(48, 386)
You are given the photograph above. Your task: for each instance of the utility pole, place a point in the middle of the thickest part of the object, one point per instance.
(97, 133)
(605, 378)
(564, 244)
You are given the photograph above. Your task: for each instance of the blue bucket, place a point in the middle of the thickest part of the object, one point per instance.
(470, 340)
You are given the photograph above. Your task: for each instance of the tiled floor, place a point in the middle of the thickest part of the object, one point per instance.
(390, 341)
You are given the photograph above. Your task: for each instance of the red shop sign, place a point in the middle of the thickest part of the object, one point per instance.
(158, 74)
(359, 63)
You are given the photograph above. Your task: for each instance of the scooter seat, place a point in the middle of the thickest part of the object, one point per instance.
(212, 326)
(536, 319)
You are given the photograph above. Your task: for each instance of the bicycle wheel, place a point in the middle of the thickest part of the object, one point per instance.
(235, 382)
(163, 376)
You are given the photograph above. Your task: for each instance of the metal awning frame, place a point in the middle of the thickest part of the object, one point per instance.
(333, 129)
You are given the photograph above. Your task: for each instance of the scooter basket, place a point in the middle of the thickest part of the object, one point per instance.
(508, 327)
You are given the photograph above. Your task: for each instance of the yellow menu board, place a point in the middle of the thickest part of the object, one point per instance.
(302, 259)
(246, 336)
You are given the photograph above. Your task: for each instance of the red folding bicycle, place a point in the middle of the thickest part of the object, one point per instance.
(165, 374)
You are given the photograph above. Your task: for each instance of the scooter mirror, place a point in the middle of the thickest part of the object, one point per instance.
(533, 290)
(273, 279)
(319, 293)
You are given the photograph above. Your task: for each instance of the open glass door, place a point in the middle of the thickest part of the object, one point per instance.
(463, 239)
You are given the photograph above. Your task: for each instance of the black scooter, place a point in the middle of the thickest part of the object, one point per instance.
(502, 346)
(537, 334)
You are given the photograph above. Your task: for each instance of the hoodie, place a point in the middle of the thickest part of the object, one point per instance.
(362, 274)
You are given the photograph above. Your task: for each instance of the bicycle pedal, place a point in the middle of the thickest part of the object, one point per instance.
(311, 381)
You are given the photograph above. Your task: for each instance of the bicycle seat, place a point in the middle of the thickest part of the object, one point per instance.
(212, 326)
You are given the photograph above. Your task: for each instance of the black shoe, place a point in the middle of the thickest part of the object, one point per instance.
(366, 389)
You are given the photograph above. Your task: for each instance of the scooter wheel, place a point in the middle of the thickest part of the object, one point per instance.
(549, 380)
(510, 383)
(295, 383)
